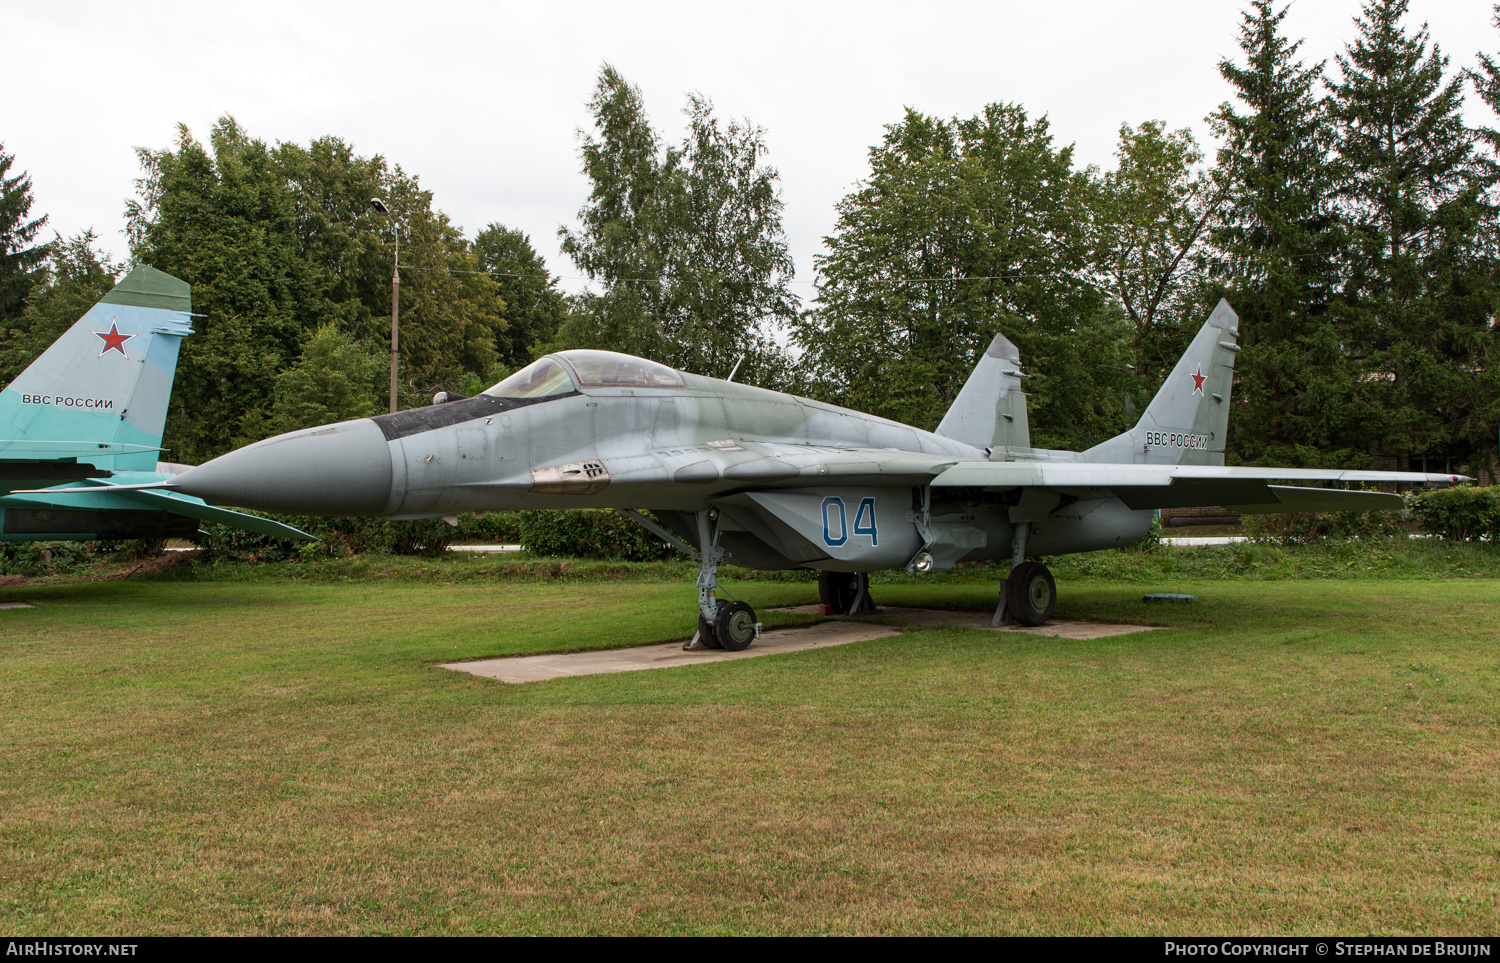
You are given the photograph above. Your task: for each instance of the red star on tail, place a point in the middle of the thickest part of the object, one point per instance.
(113, 340)
(1198, 378)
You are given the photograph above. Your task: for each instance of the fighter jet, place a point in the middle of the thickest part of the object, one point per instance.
(773, 481)
(90, 410)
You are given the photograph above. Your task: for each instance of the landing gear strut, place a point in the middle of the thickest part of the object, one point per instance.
(722, 624)
(1029, 595)
(847, 593)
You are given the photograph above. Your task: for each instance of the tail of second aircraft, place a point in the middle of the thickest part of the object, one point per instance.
(990, 410)
(100, 392)
(1187, 421)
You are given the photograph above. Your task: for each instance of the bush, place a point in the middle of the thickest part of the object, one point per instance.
(503, 527)
(338, 537)
(1303, 528)
(574, 533)
(130, 549)
(590, 533)
(1149, 541)
(1462, 513)
(45, 558)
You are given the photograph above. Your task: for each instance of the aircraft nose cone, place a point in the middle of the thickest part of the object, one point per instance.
(342, 469)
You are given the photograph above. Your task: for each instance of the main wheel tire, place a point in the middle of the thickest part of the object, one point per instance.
(838, 590)
(706, 633)
(1030, 593)
(736, 626)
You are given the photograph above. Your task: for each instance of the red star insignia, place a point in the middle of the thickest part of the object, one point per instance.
(1198, 378)
(113, 340)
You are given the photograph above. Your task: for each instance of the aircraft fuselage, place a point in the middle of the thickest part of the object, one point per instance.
(758, 456)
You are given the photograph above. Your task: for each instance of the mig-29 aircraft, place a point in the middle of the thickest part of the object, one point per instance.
(90, 410)
(774, 481)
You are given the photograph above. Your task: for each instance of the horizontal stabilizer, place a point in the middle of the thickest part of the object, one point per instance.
(36, 449)
(158, 497)
(94, 490)
(194, 508)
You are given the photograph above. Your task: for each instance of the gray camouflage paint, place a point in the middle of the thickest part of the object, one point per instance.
(796, 483)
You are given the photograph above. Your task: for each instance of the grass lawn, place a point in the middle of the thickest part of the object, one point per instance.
(274, 756)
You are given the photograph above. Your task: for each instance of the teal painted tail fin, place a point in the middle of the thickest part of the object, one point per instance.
(100, 392)
(1186, 423)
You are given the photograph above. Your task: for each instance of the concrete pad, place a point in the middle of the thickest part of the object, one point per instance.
(535, 668)
(1059, 628)
(484, 548)
(16, 605)
(841, 631)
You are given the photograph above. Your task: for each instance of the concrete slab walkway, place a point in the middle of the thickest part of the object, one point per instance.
(842, 631)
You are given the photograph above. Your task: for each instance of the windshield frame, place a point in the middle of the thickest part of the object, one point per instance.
(664, 376)
(548, 383)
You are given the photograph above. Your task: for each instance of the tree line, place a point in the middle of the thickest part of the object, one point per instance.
(1349, 216)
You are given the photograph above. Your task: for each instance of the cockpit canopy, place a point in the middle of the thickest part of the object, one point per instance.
(610, 369)
(558, 374)
(540, 379)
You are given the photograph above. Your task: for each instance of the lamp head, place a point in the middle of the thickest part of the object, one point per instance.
(379, 206)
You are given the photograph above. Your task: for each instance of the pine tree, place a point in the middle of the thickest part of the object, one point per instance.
(75, 277)
(21, 262)
(1487, 85)
(1276, 243)
(1420, 290)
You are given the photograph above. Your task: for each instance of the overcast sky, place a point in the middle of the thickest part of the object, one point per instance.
(483, 101)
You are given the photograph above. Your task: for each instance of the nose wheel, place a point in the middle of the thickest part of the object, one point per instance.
(722, 623)
(736, 628)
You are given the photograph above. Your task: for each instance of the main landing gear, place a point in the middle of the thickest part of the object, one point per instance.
(846, 593)
(1029, 595)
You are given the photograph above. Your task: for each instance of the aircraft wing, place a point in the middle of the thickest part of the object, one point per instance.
(1188, 486)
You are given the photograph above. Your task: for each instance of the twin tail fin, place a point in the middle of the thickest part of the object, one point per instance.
(101, 391)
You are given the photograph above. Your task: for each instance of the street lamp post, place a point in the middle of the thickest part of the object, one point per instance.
(380, 207)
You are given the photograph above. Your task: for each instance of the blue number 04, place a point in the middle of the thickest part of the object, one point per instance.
(834, 519)
(834, 502)
(864, 520)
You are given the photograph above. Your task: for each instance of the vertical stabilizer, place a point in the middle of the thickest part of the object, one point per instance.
(990, 410)
(106, 382)
(1186, 423)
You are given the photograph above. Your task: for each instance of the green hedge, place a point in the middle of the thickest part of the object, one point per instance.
(574, 533)
(339, 537)
(590, 533)
(1461, 513)
(1304, 528)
